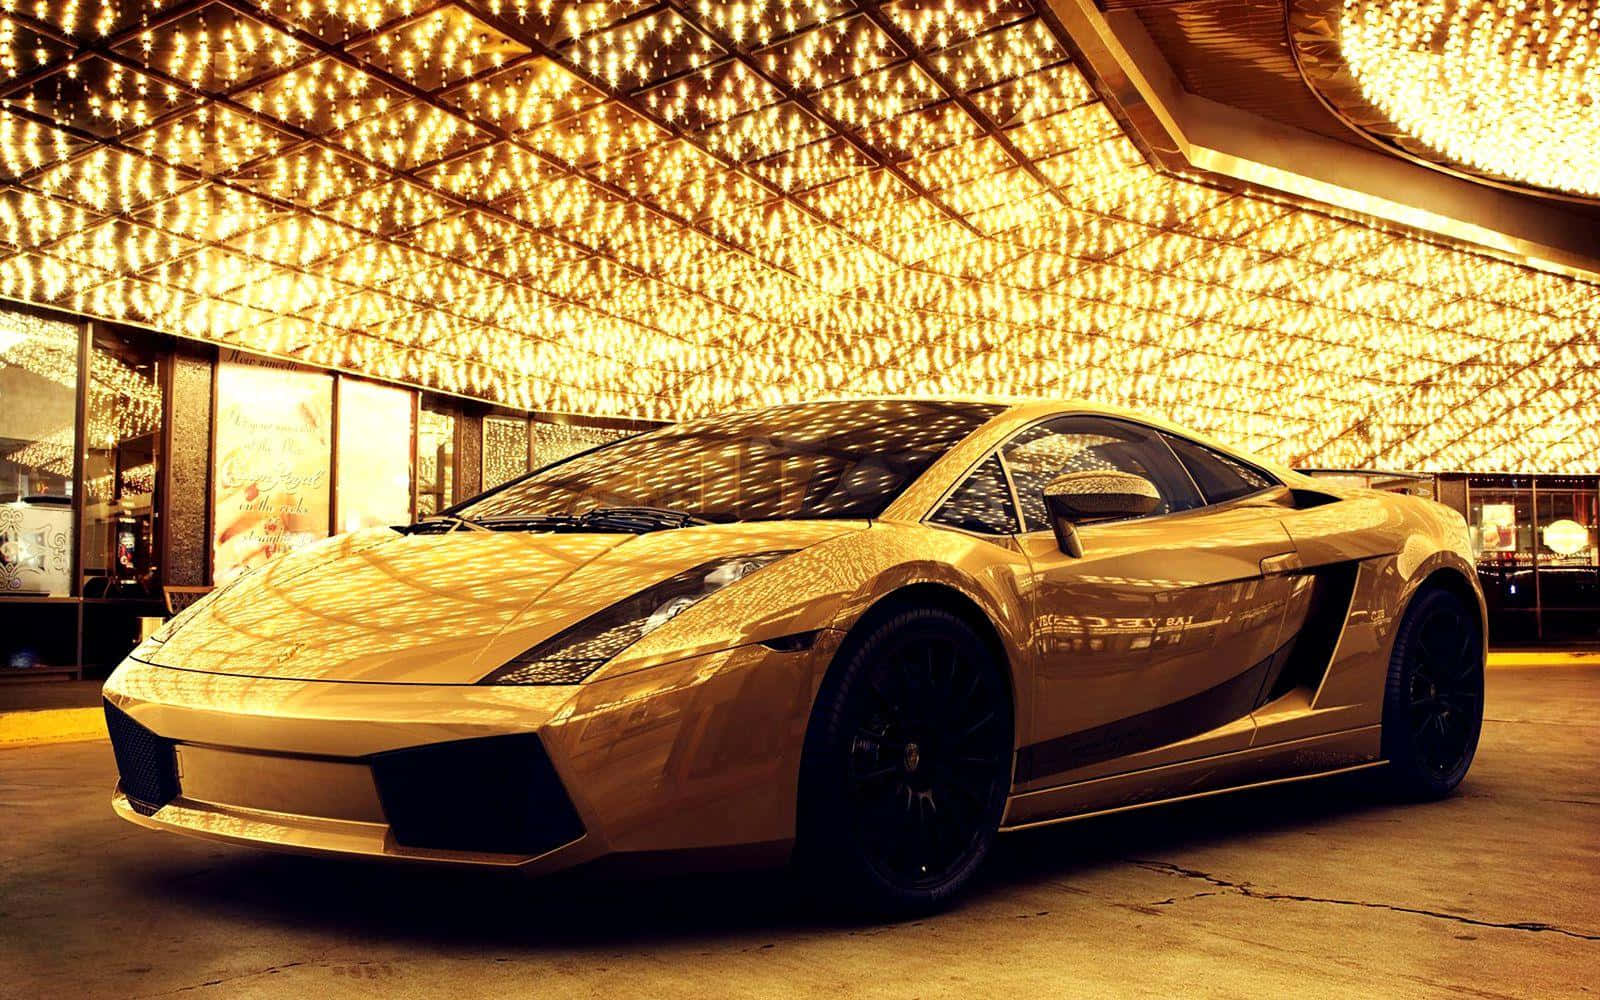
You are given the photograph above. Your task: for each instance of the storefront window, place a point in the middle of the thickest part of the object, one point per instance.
(436, 459)
(122, 459)
(1569, 571)
(374, 455)
(38, 418)
(1500, 519)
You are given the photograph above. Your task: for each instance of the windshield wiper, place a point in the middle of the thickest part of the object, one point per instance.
(533, 522)
(633, 520)
(639, 519)
(443, 524)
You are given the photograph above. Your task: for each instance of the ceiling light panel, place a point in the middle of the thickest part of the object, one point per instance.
(668, 209)
(1503, 90)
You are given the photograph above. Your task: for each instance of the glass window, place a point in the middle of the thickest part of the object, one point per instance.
(374, 486)
(38, 431)
(1569, 565)
(436, 459)
(1500, 522)
(1220, 477)
(121, 469)
(812, 460)
(982, 503)
(1087, 444)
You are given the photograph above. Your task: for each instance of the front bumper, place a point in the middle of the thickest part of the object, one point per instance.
(699, 754)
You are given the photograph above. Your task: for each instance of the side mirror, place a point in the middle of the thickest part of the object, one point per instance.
(1076, 497)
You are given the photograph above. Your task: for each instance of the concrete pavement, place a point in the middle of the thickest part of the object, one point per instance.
(1317, 889)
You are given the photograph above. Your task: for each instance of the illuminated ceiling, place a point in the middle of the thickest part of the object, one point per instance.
(1508, 91)
(666, 209)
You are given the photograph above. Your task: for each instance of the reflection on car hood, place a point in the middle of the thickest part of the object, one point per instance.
(378, 606)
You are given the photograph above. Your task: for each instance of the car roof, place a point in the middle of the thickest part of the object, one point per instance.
(1019, 411)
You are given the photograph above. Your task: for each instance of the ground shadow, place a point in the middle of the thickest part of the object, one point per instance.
(589, 908)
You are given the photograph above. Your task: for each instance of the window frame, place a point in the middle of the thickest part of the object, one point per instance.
(961, 480)
(1273, 482)
(1161, 435)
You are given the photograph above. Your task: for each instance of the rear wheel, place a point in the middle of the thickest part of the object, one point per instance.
(907, 763)
(1433, 705)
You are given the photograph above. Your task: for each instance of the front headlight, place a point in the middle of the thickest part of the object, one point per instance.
(579, 650)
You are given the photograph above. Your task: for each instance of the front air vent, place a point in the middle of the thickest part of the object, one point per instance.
(147, 764)
(497, 795)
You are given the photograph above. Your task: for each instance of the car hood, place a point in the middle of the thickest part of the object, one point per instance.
(382, 607)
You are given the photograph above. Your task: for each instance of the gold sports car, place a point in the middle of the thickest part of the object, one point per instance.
(864, 635)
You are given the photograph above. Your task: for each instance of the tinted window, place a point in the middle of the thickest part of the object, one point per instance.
(1090, 444)
(1218, 476)
(813, 460)
(982, 503)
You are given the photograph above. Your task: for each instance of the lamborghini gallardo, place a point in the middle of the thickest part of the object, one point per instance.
(863, 636)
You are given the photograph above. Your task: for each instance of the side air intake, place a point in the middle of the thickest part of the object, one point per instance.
(1304, 662)
(147, 764)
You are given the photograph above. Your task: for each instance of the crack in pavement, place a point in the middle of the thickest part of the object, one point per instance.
(268, 971)
(1250, 891)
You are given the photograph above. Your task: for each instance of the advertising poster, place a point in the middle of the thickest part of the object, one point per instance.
(1499, 524)
(272, 464)
(374, 455)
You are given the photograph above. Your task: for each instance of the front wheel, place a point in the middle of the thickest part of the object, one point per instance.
(907, 763)
(1433, 703)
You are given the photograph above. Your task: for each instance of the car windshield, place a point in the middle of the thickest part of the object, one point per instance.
(808, 460)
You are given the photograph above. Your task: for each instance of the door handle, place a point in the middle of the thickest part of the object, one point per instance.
(1285, 562)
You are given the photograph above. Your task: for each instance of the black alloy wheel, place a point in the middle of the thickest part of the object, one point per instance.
(1433, 707)
(908, 762)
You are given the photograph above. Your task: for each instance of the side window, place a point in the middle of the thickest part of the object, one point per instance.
(1085, 444)
(982, 503)
(1219, 477)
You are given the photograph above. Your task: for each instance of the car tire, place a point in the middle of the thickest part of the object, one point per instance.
(907, 764)
(1433, 699)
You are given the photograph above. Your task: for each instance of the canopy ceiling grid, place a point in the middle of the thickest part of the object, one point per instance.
(667, 209)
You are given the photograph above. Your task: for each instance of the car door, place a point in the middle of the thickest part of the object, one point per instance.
(1152, 646)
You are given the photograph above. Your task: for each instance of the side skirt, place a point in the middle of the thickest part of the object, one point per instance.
(1312, 757)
